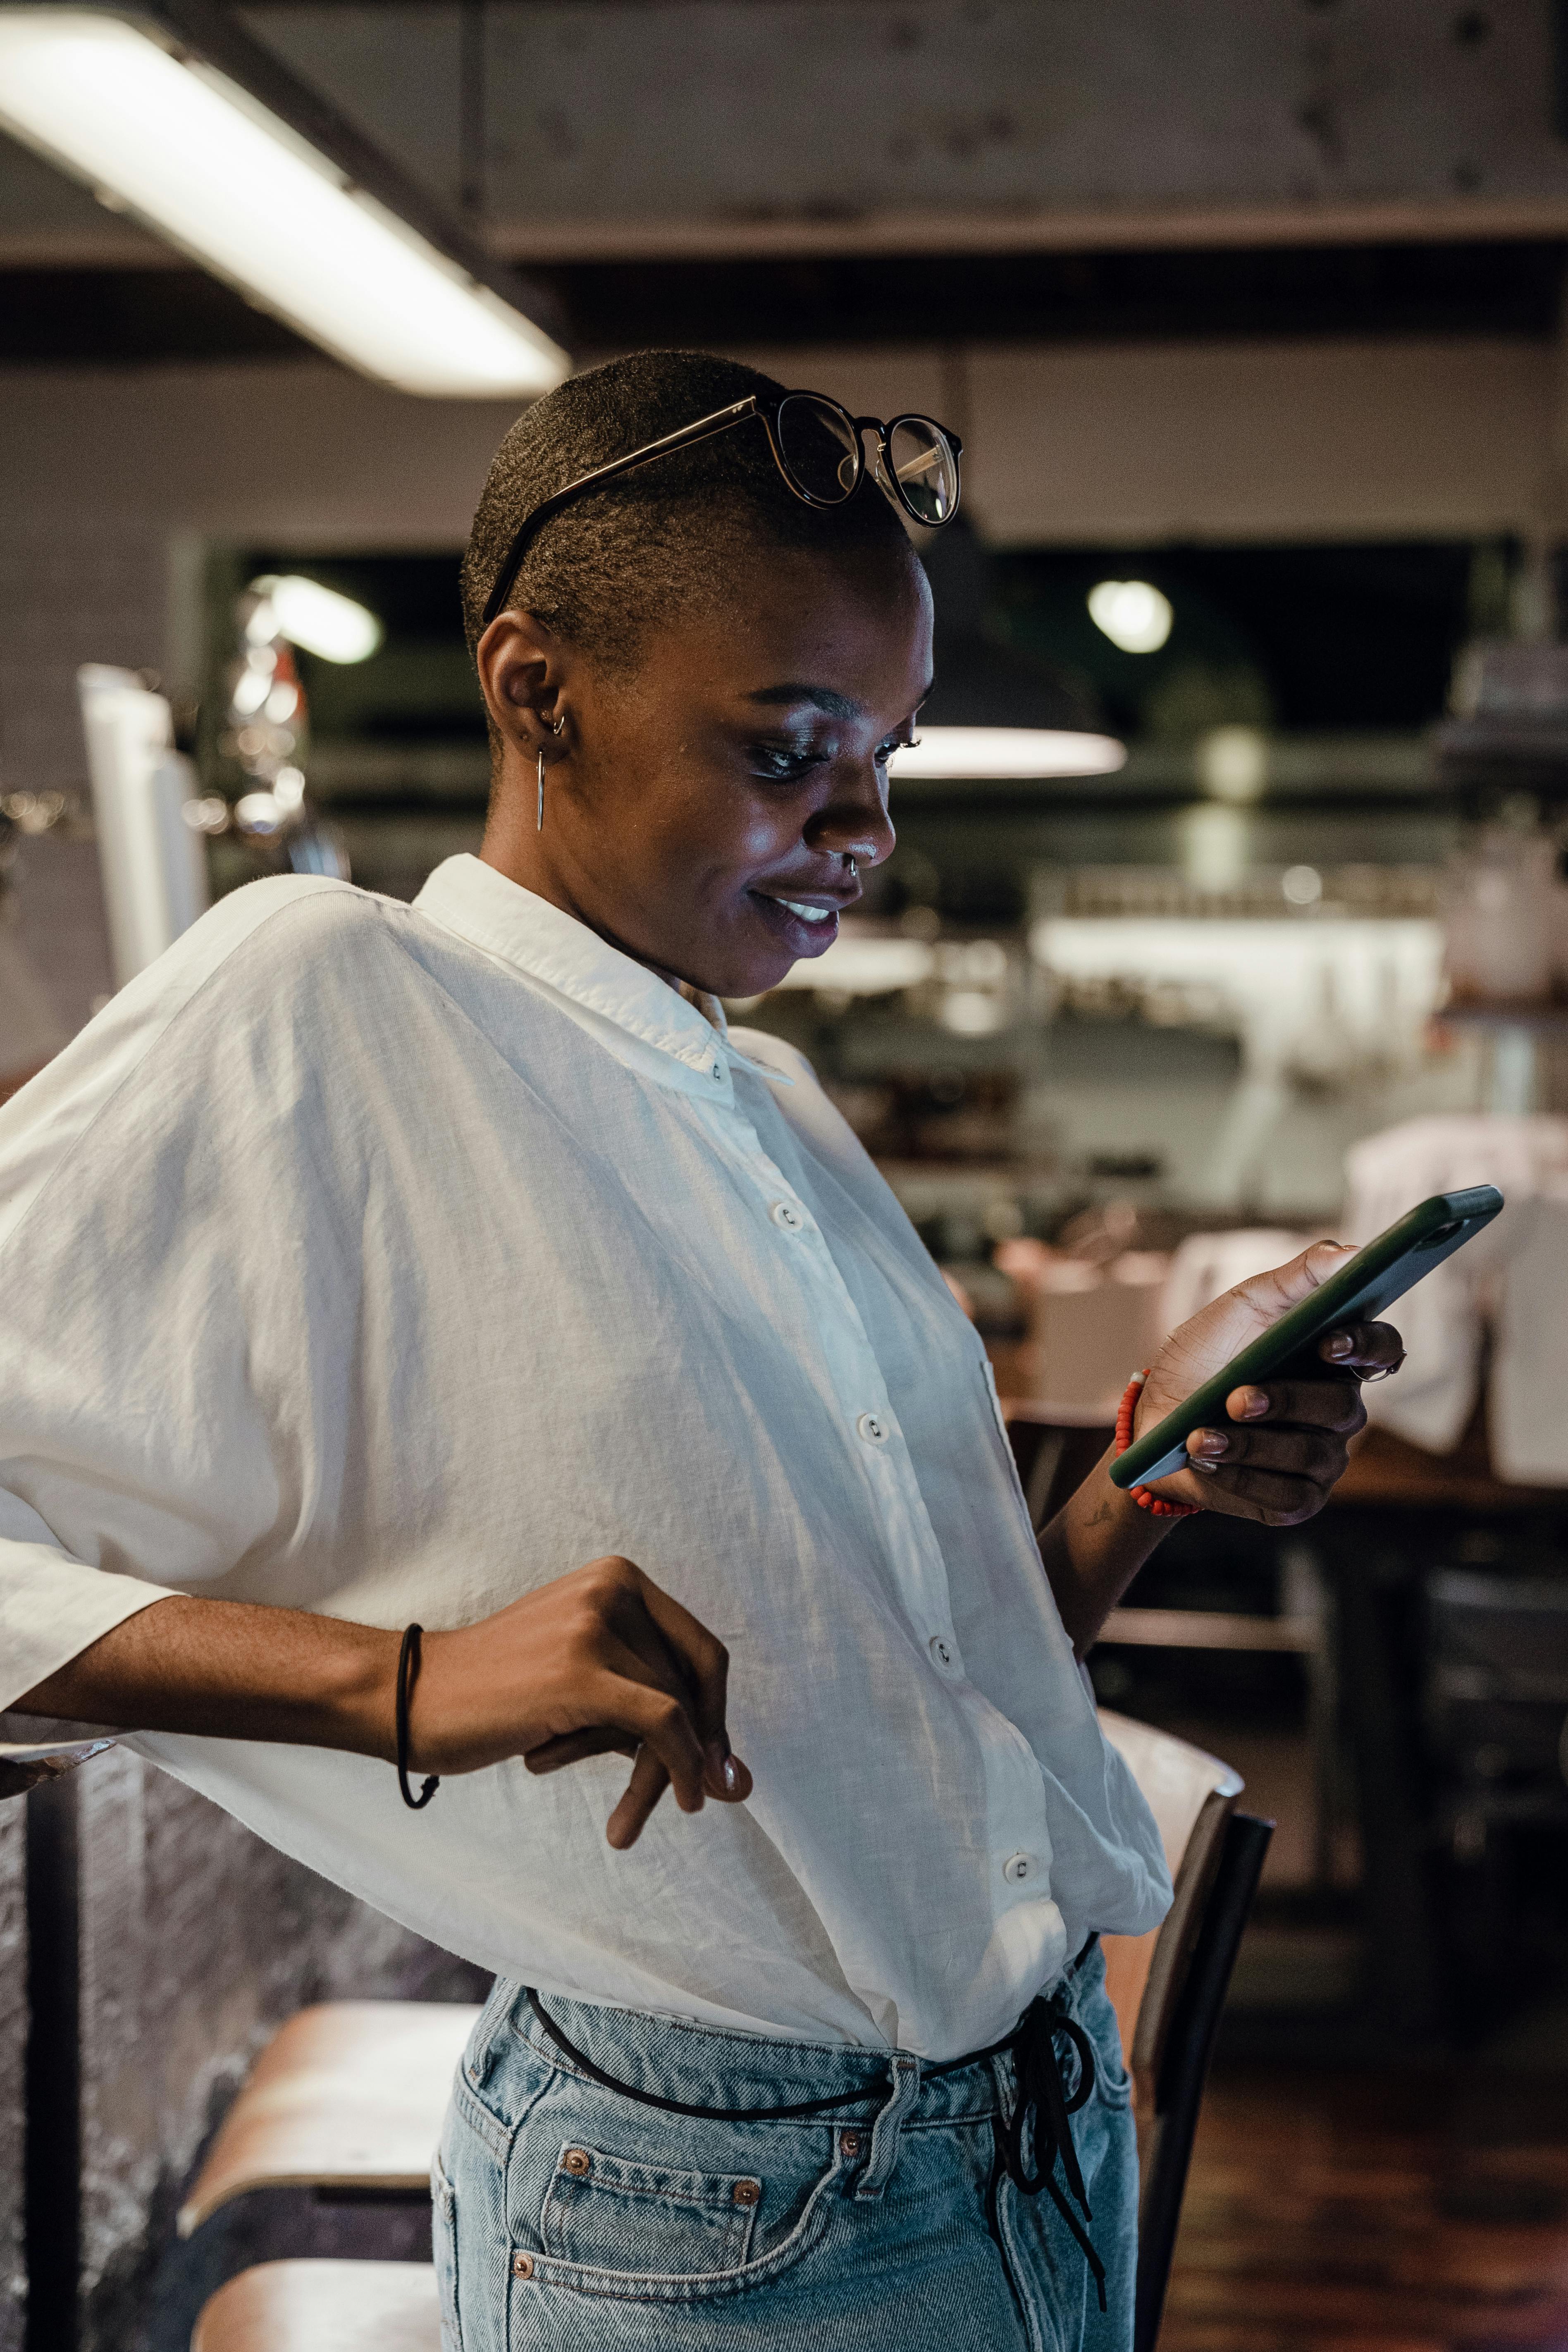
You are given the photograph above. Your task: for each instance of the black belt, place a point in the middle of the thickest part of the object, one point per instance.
(1041, 2096)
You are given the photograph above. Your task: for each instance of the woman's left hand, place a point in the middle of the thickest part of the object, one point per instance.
(1283, 1443)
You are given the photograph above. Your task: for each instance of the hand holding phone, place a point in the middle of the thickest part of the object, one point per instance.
(1245, 1411)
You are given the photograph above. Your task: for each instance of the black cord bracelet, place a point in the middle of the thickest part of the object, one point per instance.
(407, 1668)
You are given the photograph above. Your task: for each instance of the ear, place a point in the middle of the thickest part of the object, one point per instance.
(523, 669)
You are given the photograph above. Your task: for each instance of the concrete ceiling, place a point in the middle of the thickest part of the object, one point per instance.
(802, 171)
(605, 130)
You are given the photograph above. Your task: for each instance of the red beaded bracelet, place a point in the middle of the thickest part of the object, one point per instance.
(1140, 1494)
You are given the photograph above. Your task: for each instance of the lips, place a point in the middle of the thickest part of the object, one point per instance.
(807, 925)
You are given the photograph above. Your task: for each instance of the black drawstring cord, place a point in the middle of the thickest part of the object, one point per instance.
(1040, 2095)
(1031, 2045)
(877, 2090)
(407, 1667)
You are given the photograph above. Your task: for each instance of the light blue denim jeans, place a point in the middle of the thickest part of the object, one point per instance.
(569, 2218)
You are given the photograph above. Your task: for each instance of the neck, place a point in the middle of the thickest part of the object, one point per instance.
(515, 847)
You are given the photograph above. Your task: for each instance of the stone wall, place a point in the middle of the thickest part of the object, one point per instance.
(194, 1941)
(197, 1940)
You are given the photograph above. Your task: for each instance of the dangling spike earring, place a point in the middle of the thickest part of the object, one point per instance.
(559, 729)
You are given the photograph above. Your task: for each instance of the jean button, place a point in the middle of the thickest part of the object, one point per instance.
(522, 2265)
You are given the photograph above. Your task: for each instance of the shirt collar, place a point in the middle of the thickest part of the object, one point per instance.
(480, 904)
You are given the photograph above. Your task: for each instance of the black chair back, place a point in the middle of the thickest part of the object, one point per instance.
(1184, 2064)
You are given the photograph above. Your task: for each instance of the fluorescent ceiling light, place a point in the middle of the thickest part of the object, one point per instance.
(1131, 613)
(994, 754)
(209, 167)
(312, 616)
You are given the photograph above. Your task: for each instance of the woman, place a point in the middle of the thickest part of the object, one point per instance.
(369, 1267)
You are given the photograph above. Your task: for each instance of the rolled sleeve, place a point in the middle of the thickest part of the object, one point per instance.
(53, 1607)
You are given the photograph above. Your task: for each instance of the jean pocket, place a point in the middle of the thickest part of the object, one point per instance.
(444, 2242)
(607, 2212)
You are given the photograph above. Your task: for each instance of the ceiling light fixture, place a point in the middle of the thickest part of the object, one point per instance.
(316, 618)
(1131, 613)
(202, 133)
(1000, 754)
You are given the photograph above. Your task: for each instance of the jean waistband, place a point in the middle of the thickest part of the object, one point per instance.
(714, 2071)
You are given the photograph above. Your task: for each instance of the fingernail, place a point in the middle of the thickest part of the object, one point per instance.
(718, 1753)
(1340, 1346)
(1254, 1404)
(1209, 1469)
(1213, 1442)
(730, 1775)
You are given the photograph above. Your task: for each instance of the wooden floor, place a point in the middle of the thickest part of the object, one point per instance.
(1409, 2212)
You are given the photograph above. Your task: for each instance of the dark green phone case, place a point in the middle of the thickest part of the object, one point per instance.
(1371, 1280)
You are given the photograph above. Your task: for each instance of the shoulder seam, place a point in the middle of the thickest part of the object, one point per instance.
(177, 1018)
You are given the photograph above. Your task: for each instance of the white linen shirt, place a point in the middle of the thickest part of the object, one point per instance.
(390, 1261)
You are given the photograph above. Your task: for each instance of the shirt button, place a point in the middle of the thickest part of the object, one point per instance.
(789, 1218)
(718, 1071)
(1016, 1868)
(940, 1649)
(873, 1429)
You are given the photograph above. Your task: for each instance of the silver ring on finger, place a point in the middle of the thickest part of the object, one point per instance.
(1383, 1372)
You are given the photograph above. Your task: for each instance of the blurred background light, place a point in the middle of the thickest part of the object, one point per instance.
(318, 619)
(992, 753)
(203, 164)
(1131, 613)
(858, 964)
(1232, 764)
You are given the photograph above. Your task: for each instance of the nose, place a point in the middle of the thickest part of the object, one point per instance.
(853, 822)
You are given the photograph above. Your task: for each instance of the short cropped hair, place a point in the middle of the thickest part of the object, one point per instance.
(662, 539)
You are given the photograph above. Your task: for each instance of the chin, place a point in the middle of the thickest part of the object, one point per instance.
(737, 985)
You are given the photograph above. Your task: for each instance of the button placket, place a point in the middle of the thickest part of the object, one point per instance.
(853, 1375)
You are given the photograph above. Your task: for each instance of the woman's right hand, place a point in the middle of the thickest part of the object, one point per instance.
(600, 1660)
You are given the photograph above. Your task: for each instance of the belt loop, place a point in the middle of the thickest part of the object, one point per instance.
(883, 2155)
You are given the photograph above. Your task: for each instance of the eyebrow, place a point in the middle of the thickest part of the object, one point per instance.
(837, 705)
(824, 698)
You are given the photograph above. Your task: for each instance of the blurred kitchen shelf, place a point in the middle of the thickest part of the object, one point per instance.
(394, 775)
(1371, 770)
(1211, 1629)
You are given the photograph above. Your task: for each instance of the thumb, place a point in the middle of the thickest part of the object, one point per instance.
(1231, 1321)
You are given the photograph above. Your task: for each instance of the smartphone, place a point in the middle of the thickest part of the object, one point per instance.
(1366, 1284)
